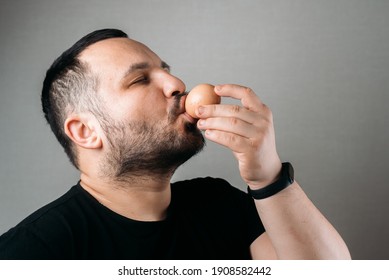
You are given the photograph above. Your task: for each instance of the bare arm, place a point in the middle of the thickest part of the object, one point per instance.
(295, 229)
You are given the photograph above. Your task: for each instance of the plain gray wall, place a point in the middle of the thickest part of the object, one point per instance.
(322, 66)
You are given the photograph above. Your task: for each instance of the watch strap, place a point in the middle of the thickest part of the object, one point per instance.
(286, 179)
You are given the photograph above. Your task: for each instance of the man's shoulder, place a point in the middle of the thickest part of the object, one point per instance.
(201, 181)
(213, 203)
(209, 184)
(41, 229)
(51, 216)
(51, 210)
(207, 188)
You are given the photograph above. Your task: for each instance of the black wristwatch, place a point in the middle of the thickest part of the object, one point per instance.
(286, 179)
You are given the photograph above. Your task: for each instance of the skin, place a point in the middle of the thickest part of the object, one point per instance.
(295, 229)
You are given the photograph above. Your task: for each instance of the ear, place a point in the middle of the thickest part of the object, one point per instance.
(82, 130)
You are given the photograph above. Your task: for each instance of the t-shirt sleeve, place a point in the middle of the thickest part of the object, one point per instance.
(41, 236)
(23, 244)
(248, 212)
(254, 224)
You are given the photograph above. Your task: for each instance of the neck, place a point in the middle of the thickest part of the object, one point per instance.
(139, 198)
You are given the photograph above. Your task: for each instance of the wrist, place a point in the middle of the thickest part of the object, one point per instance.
(273, 173)
(284, 179)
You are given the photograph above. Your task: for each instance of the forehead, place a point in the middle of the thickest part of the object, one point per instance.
(116, 54)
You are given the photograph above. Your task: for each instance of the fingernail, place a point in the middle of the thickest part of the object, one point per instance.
(218, 87)
(200, 110)
(201, 122)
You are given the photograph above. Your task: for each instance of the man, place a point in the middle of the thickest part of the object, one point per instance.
(119, 114)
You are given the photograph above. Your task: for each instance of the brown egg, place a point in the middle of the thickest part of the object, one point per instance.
(202, 94)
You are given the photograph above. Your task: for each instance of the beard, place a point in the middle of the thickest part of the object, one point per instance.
(143, 149)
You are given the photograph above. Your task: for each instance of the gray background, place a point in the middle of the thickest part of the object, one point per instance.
(322, 66)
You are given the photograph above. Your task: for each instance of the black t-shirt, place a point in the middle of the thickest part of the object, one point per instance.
(207, 219)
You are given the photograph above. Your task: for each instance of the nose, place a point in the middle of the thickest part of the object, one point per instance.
(171, 85)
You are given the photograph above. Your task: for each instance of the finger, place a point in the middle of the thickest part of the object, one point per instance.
(246, 95)
(227, 111)
(230, 124)
(233, 141)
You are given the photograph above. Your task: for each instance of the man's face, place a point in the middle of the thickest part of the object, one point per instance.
(146, 129)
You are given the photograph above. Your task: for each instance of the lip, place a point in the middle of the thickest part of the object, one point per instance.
(183, 111)
(190, 118)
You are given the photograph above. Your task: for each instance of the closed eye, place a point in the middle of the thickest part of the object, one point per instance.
(141, 80)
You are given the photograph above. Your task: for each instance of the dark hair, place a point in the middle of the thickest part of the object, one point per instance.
(68, 87)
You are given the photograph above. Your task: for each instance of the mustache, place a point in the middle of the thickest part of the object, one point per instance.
(178, 96)
(176, 109)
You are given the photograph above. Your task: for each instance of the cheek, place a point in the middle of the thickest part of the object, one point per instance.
(143, 109)
(122, 112)
(154, 107)
(146, 105)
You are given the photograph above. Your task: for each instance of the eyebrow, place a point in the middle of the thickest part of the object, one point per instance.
(142, 66)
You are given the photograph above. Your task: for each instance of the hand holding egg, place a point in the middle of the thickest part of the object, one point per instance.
(202, 94)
